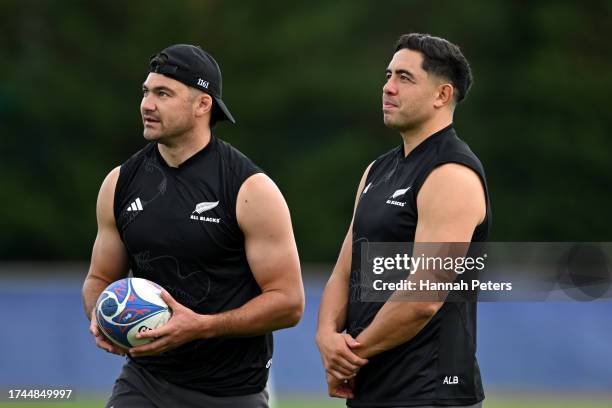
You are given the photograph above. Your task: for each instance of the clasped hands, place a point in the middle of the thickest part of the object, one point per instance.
(338, 352)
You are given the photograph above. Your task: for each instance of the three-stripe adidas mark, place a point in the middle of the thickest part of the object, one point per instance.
(136, 205)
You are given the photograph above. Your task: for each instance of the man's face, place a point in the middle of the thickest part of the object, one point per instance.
(167, 108)
(409, 92)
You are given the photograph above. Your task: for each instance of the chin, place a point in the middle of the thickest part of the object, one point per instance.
(391, 124)
(400, 124)
(151, 136)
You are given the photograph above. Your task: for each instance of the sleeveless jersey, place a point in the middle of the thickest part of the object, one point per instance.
(180, 230)
(438, 366)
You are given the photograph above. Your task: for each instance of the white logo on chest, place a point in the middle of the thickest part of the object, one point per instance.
(202, 207)
(135, 205)
(398, 193)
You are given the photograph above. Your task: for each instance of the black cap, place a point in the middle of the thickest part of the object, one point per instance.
(194, 67)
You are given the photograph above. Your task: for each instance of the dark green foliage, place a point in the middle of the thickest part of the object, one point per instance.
(304, 83)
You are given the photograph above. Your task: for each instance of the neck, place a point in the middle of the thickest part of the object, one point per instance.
(414, 136)
(180, 149)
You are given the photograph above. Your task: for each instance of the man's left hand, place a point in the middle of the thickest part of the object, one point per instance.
(339, 388)
(184, 326)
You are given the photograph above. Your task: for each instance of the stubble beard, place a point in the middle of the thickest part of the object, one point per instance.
(396, 123)
(401, 123)
(150, 135)
(170, 136)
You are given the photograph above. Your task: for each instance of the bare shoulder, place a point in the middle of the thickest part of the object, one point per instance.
(257, 182)
(106, 196)
(452, 190)
(453, 175)
(365, 174)
(110, 181)
(259, 199)
(257, 187)
(364, 177)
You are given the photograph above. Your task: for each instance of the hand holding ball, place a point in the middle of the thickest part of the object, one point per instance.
(129, 306)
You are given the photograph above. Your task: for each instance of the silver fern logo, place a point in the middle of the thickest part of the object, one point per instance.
(400, 192)
(203, 207)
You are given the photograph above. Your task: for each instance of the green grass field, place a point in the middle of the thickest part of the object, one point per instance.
(491, 402)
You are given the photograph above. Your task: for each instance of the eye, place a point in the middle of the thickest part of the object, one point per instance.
(407, 78)
(387, 75)
(145, 92)
(163, 94)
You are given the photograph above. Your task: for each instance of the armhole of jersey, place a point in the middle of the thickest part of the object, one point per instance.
(246, 175)
(117, 196)
(371, 171)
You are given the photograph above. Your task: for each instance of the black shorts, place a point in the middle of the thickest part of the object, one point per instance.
(138, 388)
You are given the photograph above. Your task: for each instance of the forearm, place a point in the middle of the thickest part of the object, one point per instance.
(272, 310)
(92, 287)
(394, 324)
(332, 312)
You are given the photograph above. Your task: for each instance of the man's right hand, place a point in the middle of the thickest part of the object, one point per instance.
(101, 340)
(338, 359)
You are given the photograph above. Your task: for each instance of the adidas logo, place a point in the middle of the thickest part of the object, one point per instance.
(136, 205)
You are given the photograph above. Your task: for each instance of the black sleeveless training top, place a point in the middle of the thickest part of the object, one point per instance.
(180, 230)
(438, 366)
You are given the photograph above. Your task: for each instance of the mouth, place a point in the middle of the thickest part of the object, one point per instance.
(149, 121)
(388, 105)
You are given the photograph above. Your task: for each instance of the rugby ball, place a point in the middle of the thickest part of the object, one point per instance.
(129, 306)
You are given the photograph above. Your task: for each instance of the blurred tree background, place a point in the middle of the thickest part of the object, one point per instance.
(304, 80)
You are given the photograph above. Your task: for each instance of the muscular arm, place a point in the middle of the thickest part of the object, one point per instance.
(108, 259)
(332, 312)
(272, 254)
(451, 203)
(338, 359)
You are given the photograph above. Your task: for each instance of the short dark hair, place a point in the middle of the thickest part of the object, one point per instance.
(442, 58)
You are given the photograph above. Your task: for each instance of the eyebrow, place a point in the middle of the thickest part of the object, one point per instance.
(157, 89)
(401, 71)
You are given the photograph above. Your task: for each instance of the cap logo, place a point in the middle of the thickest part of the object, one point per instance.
(202, 83)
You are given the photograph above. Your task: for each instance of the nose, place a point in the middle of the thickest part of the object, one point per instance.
(147, 104)
(389, 88)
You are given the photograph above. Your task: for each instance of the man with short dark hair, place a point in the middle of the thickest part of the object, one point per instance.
(213, 230)
(430, 189)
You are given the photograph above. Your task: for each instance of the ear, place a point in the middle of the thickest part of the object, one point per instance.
(444, 96)
(202, 104)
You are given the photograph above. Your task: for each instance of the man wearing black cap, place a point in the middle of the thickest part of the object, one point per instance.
(196, 216)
